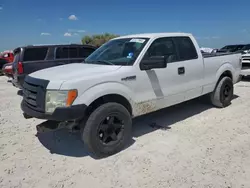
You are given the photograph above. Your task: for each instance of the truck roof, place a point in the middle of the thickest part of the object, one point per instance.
(53, 45)
(155, 35)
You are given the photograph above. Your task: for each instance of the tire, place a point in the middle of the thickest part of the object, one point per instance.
(218, 97)
(94, 137)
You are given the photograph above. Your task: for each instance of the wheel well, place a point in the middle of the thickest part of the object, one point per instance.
(109, 98)
(226, 73)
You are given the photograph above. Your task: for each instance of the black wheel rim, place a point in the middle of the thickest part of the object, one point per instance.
(111, 130)
(226, 92)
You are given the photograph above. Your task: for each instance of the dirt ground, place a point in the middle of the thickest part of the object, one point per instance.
(189, 145)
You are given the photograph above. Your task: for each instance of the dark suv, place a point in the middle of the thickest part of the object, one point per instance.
(29, 59)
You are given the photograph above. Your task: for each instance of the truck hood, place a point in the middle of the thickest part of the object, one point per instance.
(72, 71)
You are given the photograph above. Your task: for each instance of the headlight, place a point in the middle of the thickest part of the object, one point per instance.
(57, 98)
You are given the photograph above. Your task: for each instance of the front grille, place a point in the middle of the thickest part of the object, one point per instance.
(34, 91)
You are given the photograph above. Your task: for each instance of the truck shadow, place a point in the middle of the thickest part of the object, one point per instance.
(62, 142)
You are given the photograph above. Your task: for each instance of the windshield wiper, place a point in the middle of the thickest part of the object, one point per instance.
(105, 62)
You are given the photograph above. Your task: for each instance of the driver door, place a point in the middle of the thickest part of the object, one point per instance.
(162, 87)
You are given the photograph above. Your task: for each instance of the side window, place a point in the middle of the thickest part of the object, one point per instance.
(35, 54)
(186, 48)
(85, 52)
(162, 47)
(73, 52)
(62, 53)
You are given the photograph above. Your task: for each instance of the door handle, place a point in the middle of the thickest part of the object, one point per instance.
(181, 70)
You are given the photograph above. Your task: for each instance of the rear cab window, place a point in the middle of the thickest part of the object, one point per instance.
(185, 48)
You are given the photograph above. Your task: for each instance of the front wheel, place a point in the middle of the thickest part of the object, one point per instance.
(107, 130)
(222, 95)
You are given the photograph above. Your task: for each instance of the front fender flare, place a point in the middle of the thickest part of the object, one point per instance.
(97, 91)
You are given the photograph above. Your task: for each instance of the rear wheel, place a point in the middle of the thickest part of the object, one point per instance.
(223, 93)
(107, 130)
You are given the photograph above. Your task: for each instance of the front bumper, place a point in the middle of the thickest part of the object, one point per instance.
(60, 114)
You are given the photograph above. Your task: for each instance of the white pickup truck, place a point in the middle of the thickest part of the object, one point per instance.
(126, 77)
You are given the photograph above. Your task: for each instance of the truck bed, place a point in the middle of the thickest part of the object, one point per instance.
(213, 62)
(207, 55)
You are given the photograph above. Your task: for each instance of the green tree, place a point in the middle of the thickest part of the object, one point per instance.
(98, 40)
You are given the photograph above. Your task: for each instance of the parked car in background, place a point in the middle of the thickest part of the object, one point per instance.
(231, 48)
(2, 63)
(127, 77)
(245, 49)
(32, 58)
(7, 55)
(246, 61)
(8, 70)
(208, 50)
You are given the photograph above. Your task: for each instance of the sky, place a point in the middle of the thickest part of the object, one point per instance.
(213, 23)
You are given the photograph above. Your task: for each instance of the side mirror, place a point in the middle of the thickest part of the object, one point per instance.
(155, 62)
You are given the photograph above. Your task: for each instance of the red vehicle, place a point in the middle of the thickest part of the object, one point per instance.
(6, 58)
(7, 55)
(8, 69)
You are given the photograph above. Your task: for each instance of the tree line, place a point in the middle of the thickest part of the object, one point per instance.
(98, 40)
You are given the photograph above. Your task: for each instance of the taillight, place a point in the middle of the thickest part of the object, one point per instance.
(19, 67)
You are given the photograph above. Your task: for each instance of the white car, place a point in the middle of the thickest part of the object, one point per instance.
(127, 77)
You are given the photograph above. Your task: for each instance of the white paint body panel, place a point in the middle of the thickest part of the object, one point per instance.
(152, 89)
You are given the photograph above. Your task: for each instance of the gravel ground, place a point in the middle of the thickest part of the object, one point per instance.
(189, 145)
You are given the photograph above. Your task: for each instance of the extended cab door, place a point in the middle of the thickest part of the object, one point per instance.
(179, 81)
(190, 66)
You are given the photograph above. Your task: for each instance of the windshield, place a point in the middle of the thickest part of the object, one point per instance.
(118, 52)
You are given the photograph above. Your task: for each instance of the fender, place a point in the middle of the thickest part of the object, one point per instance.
(223, 68)
(99, 90)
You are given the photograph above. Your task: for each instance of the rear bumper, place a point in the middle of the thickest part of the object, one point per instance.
(60, 114)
